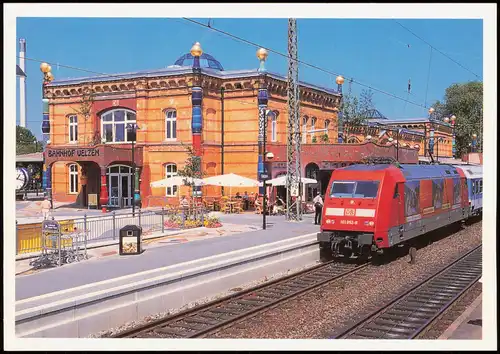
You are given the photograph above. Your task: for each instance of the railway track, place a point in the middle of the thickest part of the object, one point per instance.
(408, 315)
(216, 315)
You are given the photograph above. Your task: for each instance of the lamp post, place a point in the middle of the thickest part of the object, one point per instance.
(264, 176)
(132, 128)
(342, 134)
(47, 175)
(438, 140)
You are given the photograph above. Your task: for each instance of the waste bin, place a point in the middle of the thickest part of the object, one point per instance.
(130, 240)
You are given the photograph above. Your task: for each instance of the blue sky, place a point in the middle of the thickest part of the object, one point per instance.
(374, 52)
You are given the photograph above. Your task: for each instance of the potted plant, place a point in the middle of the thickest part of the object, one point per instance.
(314, 139)
(324, 138)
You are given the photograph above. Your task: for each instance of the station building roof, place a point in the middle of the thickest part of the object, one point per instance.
(183, 66)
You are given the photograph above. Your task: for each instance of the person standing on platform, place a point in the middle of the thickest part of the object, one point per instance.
(185, 206)
(318, 205)
(45, 208)
(245, 201)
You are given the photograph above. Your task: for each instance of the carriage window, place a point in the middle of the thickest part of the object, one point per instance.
(473, 187)
(481, 186)
(448, 172)
(341, 189)
(396, 194)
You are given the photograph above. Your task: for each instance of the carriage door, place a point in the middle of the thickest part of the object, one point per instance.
(398, 208)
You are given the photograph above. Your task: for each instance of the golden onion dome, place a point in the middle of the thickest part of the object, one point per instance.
(196, 50)
(262, 54)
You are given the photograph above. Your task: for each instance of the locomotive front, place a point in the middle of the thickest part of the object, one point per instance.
(351, 214)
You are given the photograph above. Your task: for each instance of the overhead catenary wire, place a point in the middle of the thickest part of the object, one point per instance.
(123, 76)
(301, 62)
(436, 49)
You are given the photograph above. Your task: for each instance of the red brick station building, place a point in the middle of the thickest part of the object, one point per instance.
(197, 103)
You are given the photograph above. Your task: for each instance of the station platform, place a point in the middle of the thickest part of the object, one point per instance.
(468, 325)
(161, 254)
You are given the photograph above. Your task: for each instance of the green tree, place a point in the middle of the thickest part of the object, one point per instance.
(26, 142)
(192, 168)
(354, 109)
(465, 101)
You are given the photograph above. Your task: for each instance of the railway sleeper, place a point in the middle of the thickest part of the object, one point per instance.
(408, 312)
(190, 326)
(171, 331)
(417, 320)
(401, 323)
(377, 334)
(197, 319)
(385, 329)
(426, 293)
(213, 316)
(421, 304)
(226, 311)
(426, 301)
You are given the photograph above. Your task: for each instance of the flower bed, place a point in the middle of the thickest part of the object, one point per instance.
(175, 222)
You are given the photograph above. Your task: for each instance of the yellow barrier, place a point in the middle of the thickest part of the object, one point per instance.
(29, 236)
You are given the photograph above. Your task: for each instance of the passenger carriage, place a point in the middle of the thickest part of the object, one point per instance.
(474, 175)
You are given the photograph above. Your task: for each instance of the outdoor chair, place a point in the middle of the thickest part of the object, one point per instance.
(238, 207)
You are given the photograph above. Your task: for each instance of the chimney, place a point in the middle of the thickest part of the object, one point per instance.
(22, 83)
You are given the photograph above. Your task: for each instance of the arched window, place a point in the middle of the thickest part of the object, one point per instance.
(114, 126)
(73, 128)
(327, 125)
(170, 171)
(171, 124)
(313, 125)
(73, 179)
(274, 127)
(304, 129)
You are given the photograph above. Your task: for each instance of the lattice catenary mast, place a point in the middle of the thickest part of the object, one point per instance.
(293, 177)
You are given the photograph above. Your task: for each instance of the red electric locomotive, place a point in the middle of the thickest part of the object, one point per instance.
(371, 208)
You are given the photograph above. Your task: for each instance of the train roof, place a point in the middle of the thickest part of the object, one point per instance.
(472, 171)
(410, 171)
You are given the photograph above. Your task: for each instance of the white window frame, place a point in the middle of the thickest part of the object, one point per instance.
(73, 175)
(126, 122)
(170, 191)
(304, 129)
(274, 128)
(170, 121)
(73, 128)
(313, 126)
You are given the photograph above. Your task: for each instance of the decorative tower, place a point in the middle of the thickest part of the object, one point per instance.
(196, 99)
(340, 80)
(22, 83)
(431, 133)
(47, 173)
(262, 99)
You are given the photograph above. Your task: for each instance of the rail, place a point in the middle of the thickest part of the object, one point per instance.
(218, 314)
(410, 313)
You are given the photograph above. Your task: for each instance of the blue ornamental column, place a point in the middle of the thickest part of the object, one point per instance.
(453, 142)
(340, 121)
(196, 99)
(431, 133)
(262, 100)
(47, 173)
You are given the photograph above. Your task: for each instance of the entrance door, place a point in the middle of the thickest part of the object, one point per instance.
(114, 190)
(120, 194)
(126, 194)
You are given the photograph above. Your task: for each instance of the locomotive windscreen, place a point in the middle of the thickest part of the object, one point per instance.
(354, 189)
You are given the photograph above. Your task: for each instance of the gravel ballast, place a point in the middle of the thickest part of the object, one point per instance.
(324, 311)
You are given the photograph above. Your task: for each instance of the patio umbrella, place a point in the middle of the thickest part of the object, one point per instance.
(281, 181)
(176, 181)
(230, 180)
